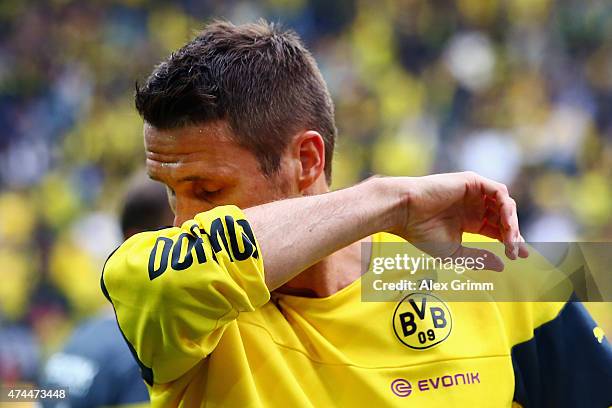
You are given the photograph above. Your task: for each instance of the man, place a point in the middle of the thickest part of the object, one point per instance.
(95, 364)
(262, 307)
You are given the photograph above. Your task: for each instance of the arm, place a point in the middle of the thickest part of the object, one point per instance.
(434, 209)
(296, 233)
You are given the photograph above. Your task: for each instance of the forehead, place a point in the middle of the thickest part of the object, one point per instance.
(204, 151)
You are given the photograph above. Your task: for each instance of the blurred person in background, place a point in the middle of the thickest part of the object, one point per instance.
(19, 352)
(95, 365)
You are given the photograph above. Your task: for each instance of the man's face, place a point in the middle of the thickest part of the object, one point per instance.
(202, 167)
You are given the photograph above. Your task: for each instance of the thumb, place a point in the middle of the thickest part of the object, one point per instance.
(486, 259)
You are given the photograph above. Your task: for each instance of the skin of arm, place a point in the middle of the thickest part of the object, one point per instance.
(431, 212)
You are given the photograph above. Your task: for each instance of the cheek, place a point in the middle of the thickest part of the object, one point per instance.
(283, 185)
(278, 188)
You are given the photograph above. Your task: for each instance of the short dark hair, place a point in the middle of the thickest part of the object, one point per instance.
(258, 77)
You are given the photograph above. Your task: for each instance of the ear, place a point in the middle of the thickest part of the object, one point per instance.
(309, 150)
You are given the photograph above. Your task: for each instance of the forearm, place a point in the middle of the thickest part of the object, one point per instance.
(297, 233)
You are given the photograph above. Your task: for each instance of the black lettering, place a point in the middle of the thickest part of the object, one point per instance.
(431, 334)
(248, 247)
(419, 312)
(176, 263)
(217, 231)
(407, 321)
(249, 233)
(198, 245)
(438, 317)
(163, 263)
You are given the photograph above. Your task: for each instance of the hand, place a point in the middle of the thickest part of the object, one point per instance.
(440, 208)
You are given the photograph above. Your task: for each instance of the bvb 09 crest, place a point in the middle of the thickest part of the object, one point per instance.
(422, 320)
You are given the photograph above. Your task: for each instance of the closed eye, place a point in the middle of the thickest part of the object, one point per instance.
(206, 194)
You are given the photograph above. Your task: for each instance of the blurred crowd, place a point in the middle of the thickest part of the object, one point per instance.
(517, 90)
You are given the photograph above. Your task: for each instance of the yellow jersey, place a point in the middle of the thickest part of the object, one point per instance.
(194, 309)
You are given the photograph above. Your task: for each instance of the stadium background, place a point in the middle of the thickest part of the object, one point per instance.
(518, 90)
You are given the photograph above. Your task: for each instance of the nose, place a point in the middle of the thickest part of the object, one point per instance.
(177, 221)
(183, 211)
(186, 209)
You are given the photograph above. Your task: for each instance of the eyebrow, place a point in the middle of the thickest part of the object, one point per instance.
(186, 178)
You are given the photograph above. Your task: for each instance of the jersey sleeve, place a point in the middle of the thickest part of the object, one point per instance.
(565, 362)
(175, 290)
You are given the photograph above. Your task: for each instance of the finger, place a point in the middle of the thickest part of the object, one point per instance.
(490, 202)
(492, 189)
(507, 212)
(491, 231)
(483, 259)
(510, 227)
(497, 193)
(506, 223)
(508, 217)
